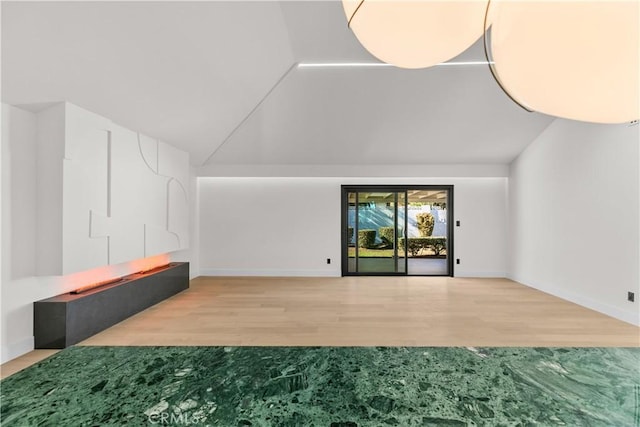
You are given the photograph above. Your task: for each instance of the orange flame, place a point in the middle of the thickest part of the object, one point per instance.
(96, 285)
(111, 272)
(147, 264)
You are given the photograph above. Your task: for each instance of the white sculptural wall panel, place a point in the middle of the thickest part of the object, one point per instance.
(129, 190)
(85, 189)
(125, 194)
(171, 163)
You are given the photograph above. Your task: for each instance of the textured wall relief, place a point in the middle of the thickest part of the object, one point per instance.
(84, 190)
(171, 166)
(125, 195)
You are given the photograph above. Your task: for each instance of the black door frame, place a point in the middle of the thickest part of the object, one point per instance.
(344, 207)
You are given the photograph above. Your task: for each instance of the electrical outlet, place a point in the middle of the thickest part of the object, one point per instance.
(328, 260)
(457, 260)
(631, 296)
(457, 223)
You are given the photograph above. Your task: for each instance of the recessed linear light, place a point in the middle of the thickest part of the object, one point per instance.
(342, 64)
(381, 64)
(454, 63)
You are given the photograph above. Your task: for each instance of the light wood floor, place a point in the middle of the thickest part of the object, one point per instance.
(362, 311)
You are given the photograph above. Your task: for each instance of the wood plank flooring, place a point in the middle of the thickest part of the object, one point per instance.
(19, 363)
(364, 311)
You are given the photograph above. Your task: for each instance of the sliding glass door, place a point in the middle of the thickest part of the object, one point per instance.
(397, 230)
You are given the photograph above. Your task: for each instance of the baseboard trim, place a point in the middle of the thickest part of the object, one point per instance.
(607, 309)
(17, 349)
(483, 274)
(319, 273)
(269, 273)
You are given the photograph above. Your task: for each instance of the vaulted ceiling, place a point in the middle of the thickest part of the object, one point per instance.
(220, 80)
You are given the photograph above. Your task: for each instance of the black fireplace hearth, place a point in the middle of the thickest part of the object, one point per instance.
(67, 319)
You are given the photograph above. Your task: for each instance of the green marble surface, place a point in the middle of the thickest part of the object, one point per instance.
(327, 386)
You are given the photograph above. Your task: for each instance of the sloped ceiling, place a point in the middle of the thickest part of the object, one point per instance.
(197, 74)
(319, 33)
(384, 116)
(184, 72)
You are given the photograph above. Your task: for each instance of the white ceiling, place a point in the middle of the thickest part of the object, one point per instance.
(192, 73)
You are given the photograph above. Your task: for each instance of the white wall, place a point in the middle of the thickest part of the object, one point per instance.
(574, 216)
(20, 285)
(4, 136)
(49, 204)
(22, 212)
(290, 226)
(191, 255)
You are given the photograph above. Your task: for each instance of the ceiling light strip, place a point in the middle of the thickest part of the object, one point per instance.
(462, 63)
(342, 64)
(382, 64)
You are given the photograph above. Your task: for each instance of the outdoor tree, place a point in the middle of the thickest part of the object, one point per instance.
(366, 238)
(387, 235)
(425, 223)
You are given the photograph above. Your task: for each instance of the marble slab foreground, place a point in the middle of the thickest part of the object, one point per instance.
(327, 386)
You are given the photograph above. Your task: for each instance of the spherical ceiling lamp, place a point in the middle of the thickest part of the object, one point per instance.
(415, 33)
(571, 59)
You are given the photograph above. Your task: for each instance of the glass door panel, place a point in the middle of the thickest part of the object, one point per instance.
(400, 242)
(352, 248)
(375, 223)
(428, 232)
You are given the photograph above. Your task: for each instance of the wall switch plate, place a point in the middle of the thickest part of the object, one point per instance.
(631, 296)
(328, 260)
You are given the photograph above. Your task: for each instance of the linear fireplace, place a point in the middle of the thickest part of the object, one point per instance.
(67, 319)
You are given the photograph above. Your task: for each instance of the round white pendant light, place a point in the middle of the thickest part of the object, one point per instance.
(415, 33)
(570, 59)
